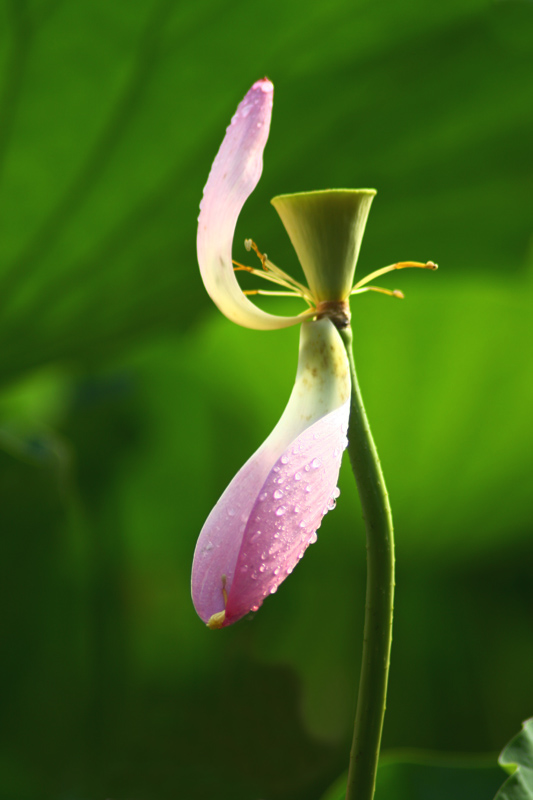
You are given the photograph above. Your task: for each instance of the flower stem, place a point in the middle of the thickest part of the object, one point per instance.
(379, 595)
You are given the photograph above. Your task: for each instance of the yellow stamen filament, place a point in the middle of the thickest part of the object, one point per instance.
(265, 292)
(273, 272)
(383, 271)
(381, 290)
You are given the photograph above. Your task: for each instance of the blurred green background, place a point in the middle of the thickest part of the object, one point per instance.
(128, 402)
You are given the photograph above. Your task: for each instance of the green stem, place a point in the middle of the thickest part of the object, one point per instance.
(379, 595)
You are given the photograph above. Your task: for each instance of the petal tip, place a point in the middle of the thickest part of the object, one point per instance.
(264, 84)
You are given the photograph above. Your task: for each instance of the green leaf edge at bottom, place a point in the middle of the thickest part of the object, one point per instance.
(517, 759)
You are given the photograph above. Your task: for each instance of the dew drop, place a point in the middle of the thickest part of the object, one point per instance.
(278, 494)
(307, 468)
(331, 504)
(276, 468)
(255, 537)
(276, 571)
(263, 496)
(254, 608)
(276, 535)
(253, 576)
(262, 568)
(244, 568)
(274, 589)
(284, 459)
(315, 463)
(296, 509)
(303, 524)
(336, 492)
(280, 511)
(289, 570)
(308, 488)
(313, 538)
(297, 476)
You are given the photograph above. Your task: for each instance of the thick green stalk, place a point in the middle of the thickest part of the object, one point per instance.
(379, 595)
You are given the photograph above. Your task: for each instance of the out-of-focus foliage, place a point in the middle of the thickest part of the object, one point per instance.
(128, 402)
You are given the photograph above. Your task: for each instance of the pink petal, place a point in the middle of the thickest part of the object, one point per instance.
(270, 512)
(234, 175)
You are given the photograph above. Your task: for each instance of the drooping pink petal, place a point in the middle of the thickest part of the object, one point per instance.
(270, 512)
(234, 175)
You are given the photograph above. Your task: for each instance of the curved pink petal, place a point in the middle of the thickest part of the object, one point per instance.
(270, 512)
(234, 175)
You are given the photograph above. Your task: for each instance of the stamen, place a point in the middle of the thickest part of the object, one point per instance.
(216, 621)
(390, 292)
(399, 265)
(273, 274)
(265, 292)
(251, 245)
(266, 275)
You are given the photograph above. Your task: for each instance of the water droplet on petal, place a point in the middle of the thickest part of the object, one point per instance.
(278, 494)
(263, 496)
(296, 509)
(297, 476)
(276, 571)
(276, 468)
(244, 568)
(280, 511)
(284, 459)
(313, 538)
(262, 568)
(254, 608)
(315, 463)
(336, 492)
(331, 504)
(274, 589)
(253, 576)
(308, 488)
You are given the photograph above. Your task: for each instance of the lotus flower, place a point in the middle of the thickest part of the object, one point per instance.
(271, 511)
